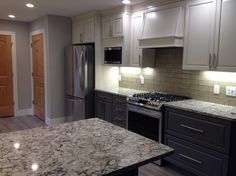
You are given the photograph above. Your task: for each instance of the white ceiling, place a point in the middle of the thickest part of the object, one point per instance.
(55, 7)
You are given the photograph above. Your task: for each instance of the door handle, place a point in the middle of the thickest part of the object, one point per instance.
(139, 60)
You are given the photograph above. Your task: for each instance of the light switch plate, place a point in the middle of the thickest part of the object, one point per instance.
(216, 89)
(231, 91)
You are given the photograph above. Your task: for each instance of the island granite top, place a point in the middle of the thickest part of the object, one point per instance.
(205, 108)
(84, 148)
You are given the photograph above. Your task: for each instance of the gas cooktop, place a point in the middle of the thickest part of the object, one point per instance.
(154, 100)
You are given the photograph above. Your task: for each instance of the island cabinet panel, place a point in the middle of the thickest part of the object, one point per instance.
(203, 144)
(111, 108)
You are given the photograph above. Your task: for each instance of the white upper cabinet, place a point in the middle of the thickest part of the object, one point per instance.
(83, 28)
(199, 51)
(136, 34)
(163, 26)
(112, 26)
(227, 40)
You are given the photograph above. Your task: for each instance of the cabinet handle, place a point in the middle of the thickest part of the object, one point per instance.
(214, 60)
(191, 128)
(190, 158)
(139, 60)
(210, 60)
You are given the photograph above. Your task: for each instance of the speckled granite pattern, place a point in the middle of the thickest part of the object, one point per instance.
(122, 91)
(85, 148)
(206, 108)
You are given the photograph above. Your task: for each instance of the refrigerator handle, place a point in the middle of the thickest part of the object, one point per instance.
(82, 70)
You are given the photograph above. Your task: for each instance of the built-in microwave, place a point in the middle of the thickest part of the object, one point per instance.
(113, 55)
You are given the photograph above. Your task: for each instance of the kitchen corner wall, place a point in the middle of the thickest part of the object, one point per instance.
(169, 77)
(58, 35)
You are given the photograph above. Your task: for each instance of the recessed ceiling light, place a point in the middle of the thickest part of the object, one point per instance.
(30, 5)
(11, 16)
(126, 1)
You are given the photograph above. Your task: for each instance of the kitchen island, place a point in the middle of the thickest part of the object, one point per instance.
(90, 147)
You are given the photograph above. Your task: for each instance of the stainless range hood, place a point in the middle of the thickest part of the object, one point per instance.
(163, 27)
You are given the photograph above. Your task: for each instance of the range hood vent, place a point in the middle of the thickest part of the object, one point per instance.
(163, 27)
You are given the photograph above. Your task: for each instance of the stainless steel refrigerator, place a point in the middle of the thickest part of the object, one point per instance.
(79, 82)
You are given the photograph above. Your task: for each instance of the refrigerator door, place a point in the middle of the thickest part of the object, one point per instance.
(75, 109)
(75, 71)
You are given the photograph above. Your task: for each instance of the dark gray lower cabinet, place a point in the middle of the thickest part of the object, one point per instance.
(203, 145)
(103, 110)
(111, 108)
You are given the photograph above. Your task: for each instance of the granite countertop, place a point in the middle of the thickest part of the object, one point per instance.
(205, 108)
(121, 91)
(84, 148)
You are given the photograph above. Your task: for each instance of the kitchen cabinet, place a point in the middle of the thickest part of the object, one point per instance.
(204, 145)
(111, 108)
(227, 39)
(136, 34)
(119, 116)
(210, 35)
(112, 26)
(199, 34)
(84, 27)
(103, 106)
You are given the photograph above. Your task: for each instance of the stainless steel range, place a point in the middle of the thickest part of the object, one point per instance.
(145, 115)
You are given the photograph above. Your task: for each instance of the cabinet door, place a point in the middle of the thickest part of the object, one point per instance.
(117, 26)
(227, 51)
(106, 27)
(88, 31)
(77, 32)
(103, 110)
(136, 34)
(199, 34)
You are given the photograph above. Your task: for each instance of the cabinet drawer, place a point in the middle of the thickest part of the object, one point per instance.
(119, 114)
(196, 159)
(120, 100)
(199, 129)
(103, 96)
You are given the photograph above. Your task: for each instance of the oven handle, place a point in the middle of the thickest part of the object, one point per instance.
(150, 113)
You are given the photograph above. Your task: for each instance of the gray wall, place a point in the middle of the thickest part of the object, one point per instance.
(23, 60)
(58, 35)
(59, 30)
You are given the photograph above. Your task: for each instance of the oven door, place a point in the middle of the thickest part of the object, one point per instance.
(145, 122)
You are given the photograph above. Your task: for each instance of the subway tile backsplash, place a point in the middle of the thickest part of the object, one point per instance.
(169, 77)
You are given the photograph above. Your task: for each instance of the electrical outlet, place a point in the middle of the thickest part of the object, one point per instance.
(231, 91)
(141, 79)
(216, 89)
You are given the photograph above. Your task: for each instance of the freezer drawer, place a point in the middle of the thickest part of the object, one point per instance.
(75, 109)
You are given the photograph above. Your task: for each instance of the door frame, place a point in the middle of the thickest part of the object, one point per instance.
(46, 75)
(14, 69)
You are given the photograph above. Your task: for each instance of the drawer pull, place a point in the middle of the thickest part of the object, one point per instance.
(191, 128)
(190, 158)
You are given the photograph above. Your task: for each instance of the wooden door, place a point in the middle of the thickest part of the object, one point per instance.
(6, 77)
(38, 76)
(199, 34)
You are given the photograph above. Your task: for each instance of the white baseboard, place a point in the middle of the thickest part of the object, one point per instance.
(57, 120)
(23, 112)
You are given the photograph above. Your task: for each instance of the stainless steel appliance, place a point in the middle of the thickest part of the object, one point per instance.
(113, 55)
(79, 81)
(145, 114)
